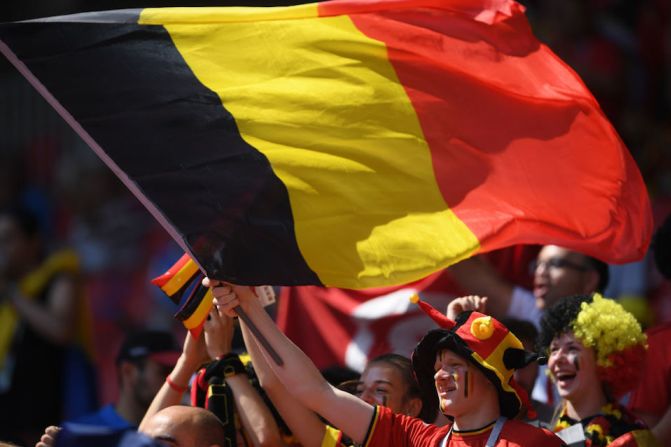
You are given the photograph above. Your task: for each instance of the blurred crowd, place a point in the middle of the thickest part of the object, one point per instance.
(620, 48)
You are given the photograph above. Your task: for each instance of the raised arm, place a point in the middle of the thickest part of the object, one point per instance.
(298, 373)
(304, 423)
(257, 420)
(193, 355)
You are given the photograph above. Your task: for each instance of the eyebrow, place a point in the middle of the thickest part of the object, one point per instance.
(376, 382)
(567, 344)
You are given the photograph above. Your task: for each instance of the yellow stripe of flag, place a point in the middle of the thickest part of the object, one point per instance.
(199, 315)
(305, 93)
(182, 277)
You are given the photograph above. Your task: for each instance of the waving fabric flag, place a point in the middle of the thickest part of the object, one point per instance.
(351, 143)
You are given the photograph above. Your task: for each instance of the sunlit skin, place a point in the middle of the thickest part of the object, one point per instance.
(554, 282)
(183, 426)
(472, 401)
(169, 428)
(382, 384)
(574, 370)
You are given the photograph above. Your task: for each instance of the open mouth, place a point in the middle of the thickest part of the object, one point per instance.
(564, 378)
(540, 290)
(445, 389)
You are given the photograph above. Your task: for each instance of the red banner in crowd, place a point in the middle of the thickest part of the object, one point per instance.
(348, 327)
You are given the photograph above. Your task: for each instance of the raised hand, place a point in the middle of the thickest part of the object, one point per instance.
(230, 296)
(466, 303)
(218, 329)
(48, 439)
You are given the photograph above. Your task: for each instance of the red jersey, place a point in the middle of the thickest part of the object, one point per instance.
(395, 430)
(653, 394)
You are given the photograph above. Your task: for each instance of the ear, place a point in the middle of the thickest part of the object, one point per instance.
(414, 407)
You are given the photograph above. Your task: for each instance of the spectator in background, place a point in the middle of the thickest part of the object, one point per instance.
(143, 362)
(651, 400)
(110, 230)
(558, 272)
(257, 425)
(38, 302)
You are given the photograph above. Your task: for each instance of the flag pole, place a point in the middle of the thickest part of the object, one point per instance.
(263, 341)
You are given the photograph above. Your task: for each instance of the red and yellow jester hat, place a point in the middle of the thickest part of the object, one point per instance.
(486, 343)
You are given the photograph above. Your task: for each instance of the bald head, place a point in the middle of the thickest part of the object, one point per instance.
(183, 426)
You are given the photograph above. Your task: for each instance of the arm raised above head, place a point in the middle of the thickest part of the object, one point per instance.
(304, 423)
(256, 418)
(193, 355)
(298, 374)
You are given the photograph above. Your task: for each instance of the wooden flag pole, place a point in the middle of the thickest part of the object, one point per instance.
(259, 336)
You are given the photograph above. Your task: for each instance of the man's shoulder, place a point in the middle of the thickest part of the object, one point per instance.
(517, 432)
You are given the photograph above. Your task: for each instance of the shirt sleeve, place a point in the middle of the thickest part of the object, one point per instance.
(397, 430)
(523, 307)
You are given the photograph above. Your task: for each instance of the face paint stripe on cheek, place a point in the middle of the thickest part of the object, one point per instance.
(466, 384)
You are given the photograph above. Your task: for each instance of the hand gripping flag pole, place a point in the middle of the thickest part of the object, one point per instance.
(182, 283)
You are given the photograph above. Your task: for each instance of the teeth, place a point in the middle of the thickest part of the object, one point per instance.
(565, 376)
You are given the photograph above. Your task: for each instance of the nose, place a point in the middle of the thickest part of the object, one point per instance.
(557, 357)
(441, 374)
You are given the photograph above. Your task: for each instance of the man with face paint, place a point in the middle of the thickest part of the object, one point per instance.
(557, 272)
(465, 368)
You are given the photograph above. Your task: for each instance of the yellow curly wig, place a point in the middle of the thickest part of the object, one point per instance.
(617, 339)
(605, 326)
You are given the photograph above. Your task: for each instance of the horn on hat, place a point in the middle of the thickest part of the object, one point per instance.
(434, 314)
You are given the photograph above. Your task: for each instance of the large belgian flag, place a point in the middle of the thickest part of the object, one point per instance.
(347, 143)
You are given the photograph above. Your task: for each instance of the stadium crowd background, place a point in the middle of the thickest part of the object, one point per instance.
(620, 48)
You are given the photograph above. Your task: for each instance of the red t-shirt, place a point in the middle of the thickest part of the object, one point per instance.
(652, 394)
(396, 430)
